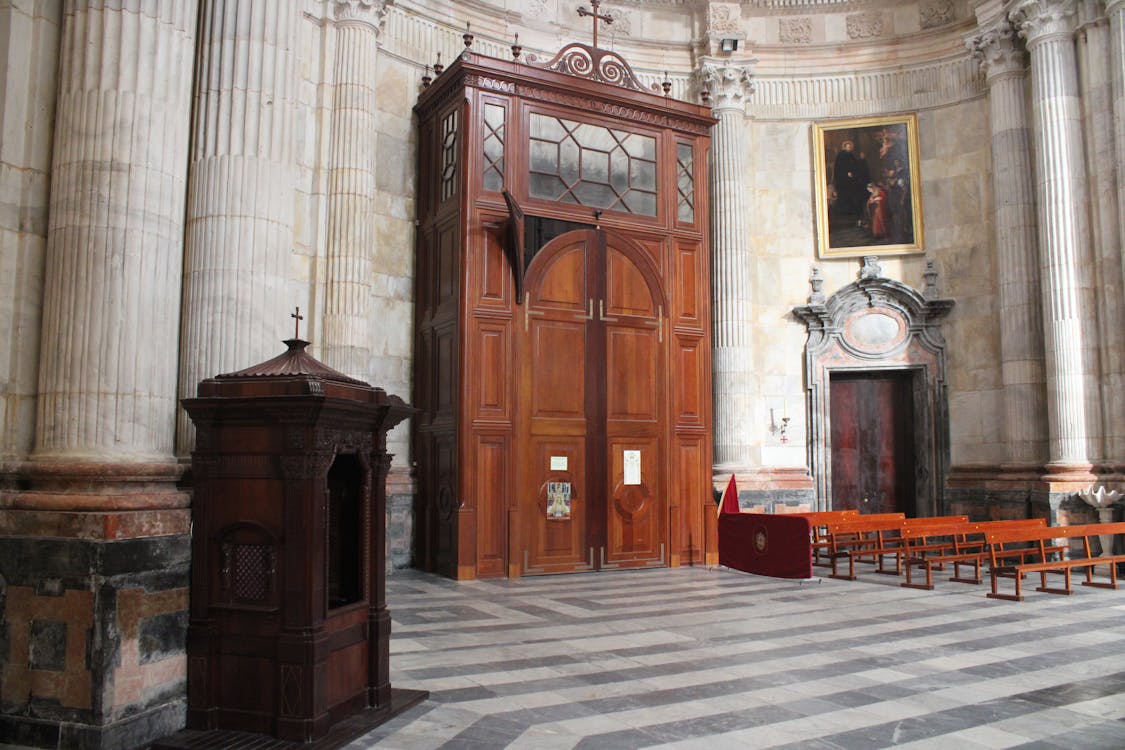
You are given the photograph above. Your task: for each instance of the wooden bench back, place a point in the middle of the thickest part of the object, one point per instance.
(923, 531)
(821, 517)
(868, 523)
(1035, 534)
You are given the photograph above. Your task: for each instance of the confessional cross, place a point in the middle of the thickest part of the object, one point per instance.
(596, 16)
(297, 318)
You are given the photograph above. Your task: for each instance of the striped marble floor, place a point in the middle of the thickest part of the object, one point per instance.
(714, 659)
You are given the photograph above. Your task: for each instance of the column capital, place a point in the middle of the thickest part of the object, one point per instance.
(368, 13)
(1038, 20)
(998, 50)
(729, 81)
(1113, 6)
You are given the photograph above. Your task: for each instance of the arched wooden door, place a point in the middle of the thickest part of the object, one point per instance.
(592, 468)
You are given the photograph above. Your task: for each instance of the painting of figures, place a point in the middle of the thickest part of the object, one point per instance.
(867, 187)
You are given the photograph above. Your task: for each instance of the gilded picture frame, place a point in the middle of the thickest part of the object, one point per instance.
(868, 187)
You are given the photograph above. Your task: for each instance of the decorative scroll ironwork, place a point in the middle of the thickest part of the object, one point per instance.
(597, 65)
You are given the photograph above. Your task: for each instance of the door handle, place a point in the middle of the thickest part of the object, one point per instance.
(528, 312)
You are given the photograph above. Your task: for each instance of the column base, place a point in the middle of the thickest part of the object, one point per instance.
(767, 489)
(96, 561)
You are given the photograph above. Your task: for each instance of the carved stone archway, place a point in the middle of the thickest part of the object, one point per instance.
(878, 324)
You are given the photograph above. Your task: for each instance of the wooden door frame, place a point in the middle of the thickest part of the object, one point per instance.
(874, 324)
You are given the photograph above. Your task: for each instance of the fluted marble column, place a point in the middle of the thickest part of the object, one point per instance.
(351, 188)
(1095, 77)
(1115, 12)
(1021, 316)
(729, 84)
(241, 193)
(107, 376)
(1063, 231)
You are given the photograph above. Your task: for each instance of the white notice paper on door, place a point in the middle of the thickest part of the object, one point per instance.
(632, 467)
(558, 463)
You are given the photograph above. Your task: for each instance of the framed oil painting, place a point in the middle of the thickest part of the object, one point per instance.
(868, 192)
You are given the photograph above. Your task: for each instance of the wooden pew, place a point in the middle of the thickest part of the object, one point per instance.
(1041, 541)
(959, 544)
(875, 538)
(818, 523)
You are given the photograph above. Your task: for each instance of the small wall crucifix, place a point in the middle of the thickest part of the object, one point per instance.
(596, 16)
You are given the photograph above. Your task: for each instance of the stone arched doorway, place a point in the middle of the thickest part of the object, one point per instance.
(883, 336)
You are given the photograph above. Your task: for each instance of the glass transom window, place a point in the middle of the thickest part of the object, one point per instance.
(591, 165)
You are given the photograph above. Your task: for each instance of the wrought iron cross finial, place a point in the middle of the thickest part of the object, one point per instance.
(297, 318)
(582, 12)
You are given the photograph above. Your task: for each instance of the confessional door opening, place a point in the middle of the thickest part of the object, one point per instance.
(592, 466)
(873, 442)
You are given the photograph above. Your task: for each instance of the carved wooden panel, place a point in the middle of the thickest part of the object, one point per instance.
(493, 282)
(691, 387)
(492, 369)
(492, 471)
(689, 276)
(694, 498)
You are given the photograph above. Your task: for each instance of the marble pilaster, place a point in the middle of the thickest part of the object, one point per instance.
(1115, 12)
(1021, 318)
(1095, 77)
(729, 83)
(351, 198)
(107, 376)
(241, 193)
(1063, 232)
(29, 51)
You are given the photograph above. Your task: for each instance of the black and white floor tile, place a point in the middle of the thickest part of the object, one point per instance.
(712, 659)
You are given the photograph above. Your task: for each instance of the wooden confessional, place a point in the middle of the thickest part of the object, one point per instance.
(562, 351)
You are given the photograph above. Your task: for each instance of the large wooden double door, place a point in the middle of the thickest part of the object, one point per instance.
(592, 474)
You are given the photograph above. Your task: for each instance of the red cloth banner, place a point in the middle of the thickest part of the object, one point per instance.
(765, 544)
(729, 503)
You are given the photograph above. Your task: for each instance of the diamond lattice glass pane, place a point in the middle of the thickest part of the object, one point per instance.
(641, 202)
(686, 213)
(546, 186)
(493, 179)
(595, 166)
(640, 146)
(593, 194)
(684, 155)
(619, 170)
(493, 149)
(546, 128)
(593, 136)
(569, 160)
(544, 157)
(642, 175)
(494, 116)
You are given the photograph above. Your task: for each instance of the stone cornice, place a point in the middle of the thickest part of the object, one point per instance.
(998, 50)
(1040, 20)
(729, 81)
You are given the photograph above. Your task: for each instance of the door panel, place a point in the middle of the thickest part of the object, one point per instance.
(635, 526)
(557, 349)
(872, 437)
(594, 381)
